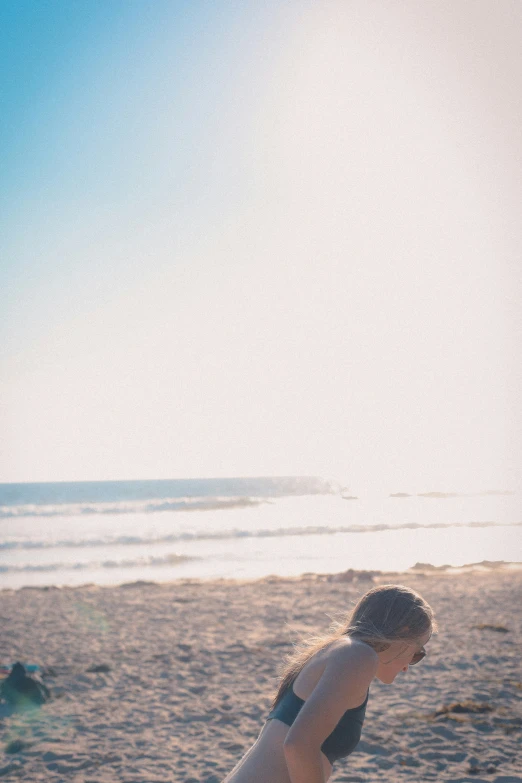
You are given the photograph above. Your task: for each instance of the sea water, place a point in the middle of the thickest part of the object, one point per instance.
(116, 532)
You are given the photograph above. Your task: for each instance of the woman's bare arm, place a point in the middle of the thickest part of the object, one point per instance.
(342, 686)
(305, 765)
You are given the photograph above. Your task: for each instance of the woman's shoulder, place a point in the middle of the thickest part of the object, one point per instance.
(341, 675)
(347, 651)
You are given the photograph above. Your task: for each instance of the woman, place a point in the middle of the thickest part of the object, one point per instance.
(318, 711)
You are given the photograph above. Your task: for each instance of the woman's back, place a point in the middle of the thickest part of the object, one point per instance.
(265, 762)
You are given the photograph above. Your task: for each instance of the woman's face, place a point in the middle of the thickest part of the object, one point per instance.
(397, 658)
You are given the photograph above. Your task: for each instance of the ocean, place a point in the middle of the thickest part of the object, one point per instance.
(112, 532)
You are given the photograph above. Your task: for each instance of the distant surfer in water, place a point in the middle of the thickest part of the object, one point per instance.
(318, 711)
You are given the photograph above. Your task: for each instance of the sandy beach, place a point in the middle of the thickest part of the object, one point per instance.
(172, 682)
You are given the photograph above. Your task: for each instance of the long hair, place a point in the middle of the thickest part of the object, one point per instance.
(385, 614)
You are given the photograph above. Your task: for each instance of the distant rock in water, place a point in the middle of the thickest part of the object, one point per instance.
(400, 495)
(439, 495)
(497, 492)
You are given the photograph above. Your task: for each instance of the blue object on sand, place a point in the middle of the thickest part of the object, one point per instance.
(21, 691)
(6, 668)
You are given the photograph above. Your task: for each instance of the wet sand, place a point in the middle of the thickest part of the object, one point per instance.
(172, 682)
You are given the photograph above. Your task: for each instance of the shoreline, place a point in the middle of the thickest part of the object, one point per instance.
(351, 574)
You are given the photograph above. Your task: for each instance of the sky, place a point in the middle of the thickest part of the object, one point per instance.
(261, 238)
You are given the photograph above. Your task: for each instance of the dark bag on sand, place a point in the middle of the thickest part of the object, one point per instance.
(19, 690)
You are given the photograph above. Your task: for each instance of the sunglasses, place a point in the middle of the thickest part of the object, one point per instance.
(418, 656)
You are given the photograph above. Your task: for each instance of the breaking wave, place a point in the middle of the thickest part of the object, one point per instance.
(132, 507)
(236, 533)
(139, 562)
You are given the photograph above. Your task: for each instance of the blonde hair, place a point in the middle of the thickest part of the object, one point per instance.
(385, 614)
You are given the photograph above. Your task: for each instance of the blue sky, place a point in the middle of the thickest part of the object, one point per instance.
(261, 238)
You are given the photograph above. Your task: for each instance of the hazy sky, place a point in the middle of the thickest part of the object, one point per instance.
(262, 238)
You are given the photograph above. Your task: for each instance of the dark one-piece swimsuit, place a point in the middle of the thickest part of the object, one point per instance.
(343, 739)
